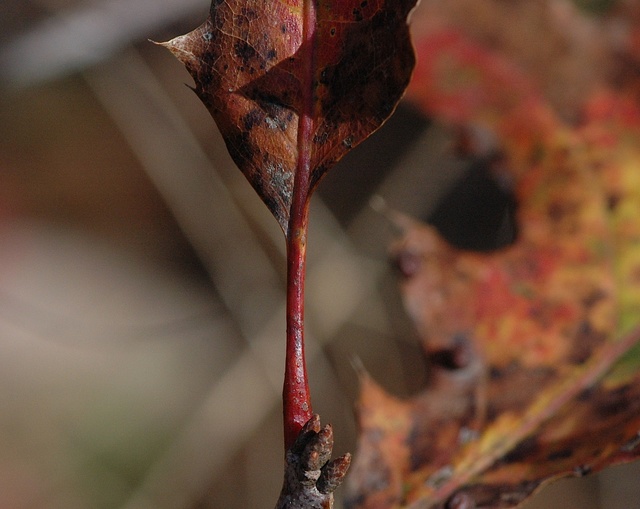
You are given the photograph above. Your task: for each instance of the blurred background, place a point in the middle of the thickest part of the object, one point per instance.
(142, 281)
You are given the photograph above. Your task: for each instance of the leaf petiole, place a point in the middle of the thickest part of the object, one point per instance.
(296, 396)
(295, 393)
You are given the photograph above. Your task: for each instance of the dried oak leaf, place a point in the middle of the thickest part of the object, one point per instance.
(294, 85)
(536, 364)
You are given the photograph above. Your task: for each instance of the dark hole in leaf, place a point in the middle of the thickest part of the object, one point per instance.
(445, 359)
(478, 214)
(458, 356)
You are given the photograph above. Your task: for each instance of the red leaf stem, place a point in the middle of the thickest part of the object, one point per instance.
(296, 396)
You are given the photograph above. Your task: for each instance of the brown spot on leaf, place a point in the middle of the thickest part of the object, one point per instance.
(528, 447)
(321, 138)
(616, 402)
(251, 119)
(587, 339)
(612, 201)
(597, 295)
(249, 13)
(560, 454)
(244, 51)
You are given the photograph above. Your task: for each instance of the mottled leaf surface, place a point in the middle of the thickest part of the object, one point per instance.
(261, 67)
(535, 366)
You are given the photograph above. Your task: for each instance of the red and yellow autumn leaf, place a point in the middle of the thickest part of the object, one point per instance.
(536, 372)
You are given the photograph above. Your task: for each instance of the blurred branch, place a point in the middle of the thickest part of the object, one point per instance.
(172, 157)
(244, 276)
(91, 32)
